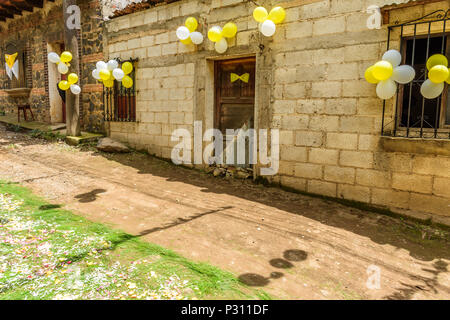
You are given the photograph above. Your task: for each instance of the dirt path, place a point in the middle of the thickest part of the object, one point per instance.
(292, 246)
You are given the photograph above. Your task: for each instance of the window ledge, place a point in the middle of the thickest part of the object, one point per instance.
(18, 92)
(439, 147)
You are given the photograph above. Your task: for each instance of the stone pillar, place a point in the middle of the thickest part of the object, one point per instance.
(71, 45)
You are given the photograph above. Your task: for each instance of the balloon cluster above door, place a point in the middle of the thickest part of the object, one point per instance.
(188, 33)
(220, 35)
(269, 20)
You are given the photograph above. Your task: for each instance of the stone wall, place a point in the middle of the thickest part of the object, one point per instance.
(310, 86)
(38, 28)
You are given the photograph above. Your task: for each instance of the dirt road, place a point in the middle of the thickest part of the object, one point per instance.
(292, 246)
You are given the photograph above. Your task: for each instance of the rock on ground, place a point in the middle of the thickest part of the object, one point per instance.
(110, 145)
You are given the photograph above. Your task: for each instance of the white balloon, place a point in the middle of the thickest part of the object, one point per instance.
(386, 89)
(196, 37)
(268, 28)
(112, 64)
(221, 46)
(54, 57)
(392, 56)
(63, 68)
(75, 88)
(101, 65)
(404, 74)
(431, 90)
(96, 74)
(118, 74)
(217, 28)
(183, 33)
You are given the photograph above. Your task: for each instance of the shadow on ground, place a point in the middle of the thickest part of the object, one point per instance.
(89, 196)
(420, 242)
(289, 256)
(381, 229)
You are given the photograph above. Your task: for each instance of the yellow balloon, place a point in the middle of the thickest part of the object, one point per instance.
(229, 30)
(191, 23)
(72, 78)
(215, 34)
(127, 67)
(108, 83)
(64, 85)
(127, 82)
(260, 14)
(438, 74)
(104, 74)
(186, 41)
(382, 70)
(437, 60)
(448, 79)
(66, 56)
(277, 15)
(369, 76)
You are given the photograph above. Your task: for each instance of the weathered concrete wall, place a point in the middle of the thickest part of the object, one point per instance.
(39, 28)
(310, 86)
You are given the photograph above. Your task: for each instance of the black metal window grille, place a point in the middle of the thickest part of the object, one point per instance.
(120, 102)
(415, 116)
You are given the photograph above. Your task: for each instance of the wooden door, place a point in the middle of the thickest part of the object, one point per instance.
(235, 98)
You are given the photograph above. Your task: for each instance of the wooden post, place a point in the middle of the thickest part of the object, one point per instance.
(72, 101)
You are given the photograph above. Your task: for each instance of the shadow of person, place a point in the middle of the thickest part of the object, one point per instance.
(89, 196)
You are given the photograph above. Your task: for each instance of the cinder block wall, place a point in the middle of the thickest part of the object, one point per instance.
(311, 87)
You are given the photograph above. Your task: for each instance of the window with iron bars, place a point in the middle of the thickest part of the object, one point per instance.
(415, 116)
(120, 102)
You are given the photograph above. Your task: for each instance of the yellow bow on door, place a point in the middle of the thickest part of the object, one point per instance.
(244, 78)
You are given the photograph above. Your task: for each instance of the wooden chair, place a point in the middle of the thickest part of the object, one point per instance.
(24, 109)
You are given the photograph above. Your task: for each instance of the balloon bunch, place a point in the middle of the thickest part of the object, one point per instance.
(218, 35)
(71, 81)
(268, 21)
(438, 73)
(187, 34)
(63, 68)
(62, 62)
(387, 72)
(110, 71)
